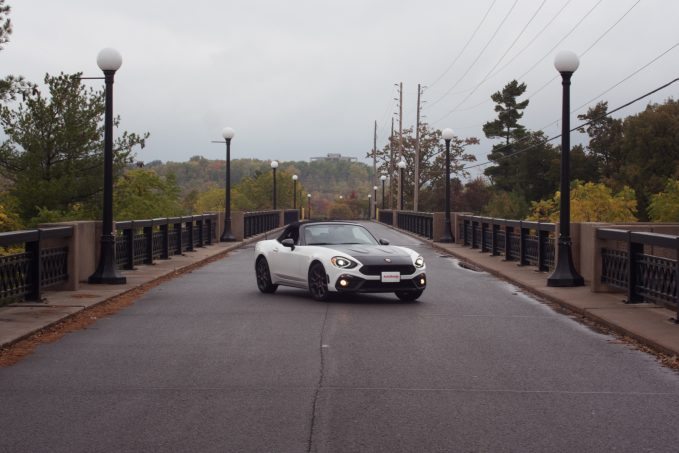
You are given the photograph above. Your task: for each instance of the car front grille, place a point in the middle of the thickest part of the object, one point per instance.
(404, 269)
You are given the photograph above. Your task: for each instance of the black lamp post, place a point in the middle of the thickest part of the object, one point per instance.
(383, 178)
(402, 167)
(370, 205)
(109, 60)
(274, 166)
(227, 235)
(294, 191)
(447, 134)
(308, 198)
(375, 202)
(564, 272)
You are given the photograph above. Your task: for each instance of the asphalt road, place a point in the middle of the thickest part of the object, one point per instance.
(207, 363)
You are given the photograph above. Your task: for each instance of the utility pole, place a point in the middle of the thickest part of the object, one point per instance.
(400, 140)
(416, 185)
(374, 164)
(391, 165)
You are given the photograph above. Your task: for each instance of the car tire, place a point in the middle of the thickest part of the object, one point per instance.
(318, 282)
(264, 276)
(409, 296)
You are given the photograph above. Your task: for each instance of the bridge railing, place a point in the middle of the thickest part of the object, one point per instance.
(386, 216)
(420, 223)
(258, 222)
(42, 263)
(143, 241)
(529, 243)
(645, 265)
(290, 216)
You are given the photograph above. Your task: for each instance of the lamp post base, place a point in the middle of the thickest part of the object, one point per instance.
(447, 237)
(227, 235)
(107, 271)
(564, 274)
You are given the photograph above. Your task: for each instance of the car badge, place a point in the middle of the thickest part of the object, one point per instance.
(388, 260)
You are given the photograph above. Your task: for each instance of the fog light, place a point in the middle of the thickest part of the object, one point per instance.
(343, 282)
(422, 281)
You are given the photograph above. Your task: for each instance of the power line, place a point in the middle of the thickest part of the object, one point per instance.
(497, 30)
(465, 46)
(502, 57)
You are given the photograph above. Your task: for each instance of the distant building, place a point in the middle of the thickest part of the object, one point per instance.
(335, 156)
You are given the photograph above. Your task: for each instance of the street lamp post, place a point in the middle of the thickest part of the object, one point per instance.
(375, 202)
(370, 205)
(564, 272)
(227, 235)
(401, 166)
(447, 134)
(274, 166)
(109, 60)
(383, 178)
(294, 191)
(308, 203)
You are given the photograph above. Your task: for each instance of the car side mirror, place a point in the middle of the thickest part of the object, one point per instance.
(288, 243)
(384, 242)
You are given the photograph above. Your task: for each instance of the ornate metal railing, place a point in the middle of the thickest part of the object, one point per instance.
(645, 265)
(24, 274)
(529, 243)
(143, 241)
(421, 223)
(259, 222)
(386, 216)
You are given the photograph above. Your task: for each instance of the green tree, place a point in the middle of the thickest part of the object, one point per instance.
(664, 206)
(142, 194)
(590, 202)
(605, 134)
(11, 85)
(212, 199)
(54, 149)
(650, 146)
(506, 205)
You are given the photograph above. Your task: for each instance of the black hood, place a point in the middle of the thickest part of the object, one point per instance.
(373, 254)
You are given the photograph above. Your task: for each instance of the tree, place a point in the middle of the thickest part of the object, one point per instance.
(590, 202)
(506, 205)
(54, 150)
(664, 206)
(142, 194)
(431, 163)
(605, 134)
(10, 86)
(650, 146)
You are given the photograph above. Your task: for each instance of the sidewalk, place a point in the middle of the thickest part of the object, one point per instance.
(649, 324)
(18, 321)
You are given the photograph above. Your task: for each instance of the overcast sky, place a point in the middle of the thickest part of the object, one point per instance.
(297, 79)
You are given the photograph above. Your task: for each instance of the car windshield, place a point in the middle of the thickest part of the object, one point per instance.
(329, 234)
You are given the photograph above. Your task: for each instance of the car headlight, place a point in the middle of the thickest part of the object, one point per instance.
(342, 262)
(419, 262)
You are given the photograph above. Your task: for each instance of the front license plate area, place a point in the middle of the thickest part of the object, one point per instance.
(391, 277)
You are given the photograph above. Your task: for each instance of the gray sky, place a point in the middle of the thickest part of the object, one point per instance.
(297, 78)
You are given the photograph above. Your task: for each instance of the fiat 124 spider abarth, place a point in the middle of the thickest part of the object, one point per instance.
(338, 257)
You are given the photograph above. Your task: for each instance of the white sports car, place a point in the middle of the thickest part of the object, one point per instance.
(337, 257)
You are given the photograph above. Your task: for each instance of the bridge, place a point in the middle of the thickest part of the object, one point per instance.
(205, 362)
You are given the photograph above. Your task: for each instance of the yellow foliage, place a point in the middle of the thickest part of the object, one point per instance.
(590, 202)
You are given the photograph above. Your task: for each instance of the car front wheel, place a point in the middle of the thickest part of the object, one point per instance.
(264, 277)
(318, 282)
(409, 296)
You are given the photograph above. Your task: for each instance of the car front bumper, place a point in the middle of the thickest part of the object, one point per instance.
(347, 283)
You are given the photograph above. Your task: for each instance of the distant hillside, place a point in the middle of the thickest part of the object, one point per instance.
(326, 180)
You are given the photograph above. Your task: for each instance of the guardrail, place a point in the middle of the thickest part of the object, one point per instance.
(255, 223)
(290, 216)
(386, 216)
(143, 241)
(421, 223)
(529, 243)
(23, 275)
(646, 277)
